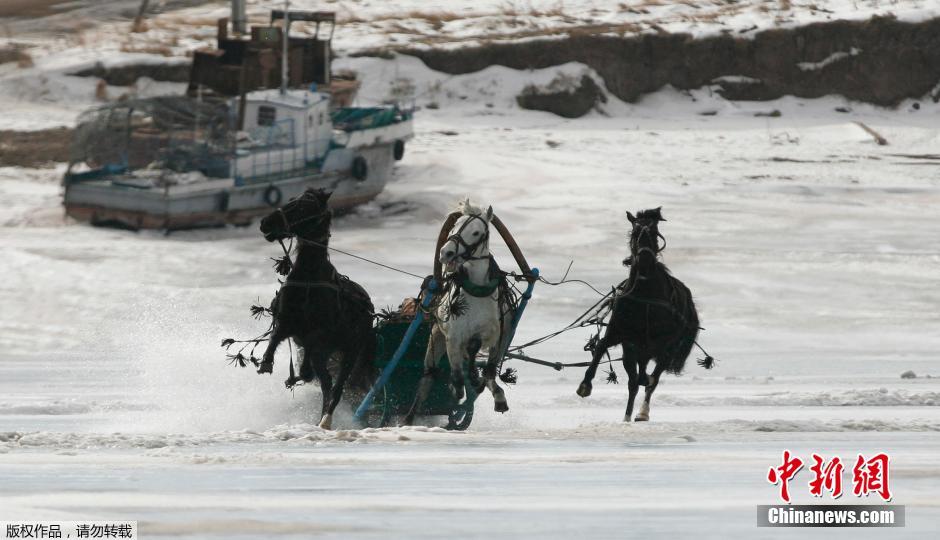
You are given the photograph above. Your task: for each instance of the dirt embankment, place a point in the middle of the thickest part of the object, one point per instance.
(880, 61)
(126, 75)
(34, 148)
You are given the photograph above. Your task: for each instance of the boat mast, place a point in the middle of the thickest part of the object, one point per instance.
(238, 17)
(284, 32)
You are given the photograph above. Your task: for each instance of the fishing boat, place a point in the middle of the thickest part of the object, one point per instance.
(177, 162)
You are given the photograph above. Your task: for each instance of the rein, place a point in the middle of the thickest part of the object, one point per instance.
(290, 225)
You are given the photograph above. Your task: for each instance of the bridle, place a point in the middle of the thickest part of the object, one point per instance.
(289, 228)
(289, 225)
(640, 230)
(470, 249)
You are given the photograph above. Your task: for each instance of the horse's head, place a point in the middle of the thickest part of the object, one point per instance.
(469, 238)
(307, 217)
(644, 238)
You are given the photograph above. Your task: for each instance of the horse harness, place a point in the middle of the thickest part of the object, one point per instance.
(289, 226)
(667, 305)
(336, 281)
(650, 302)
(459, 281)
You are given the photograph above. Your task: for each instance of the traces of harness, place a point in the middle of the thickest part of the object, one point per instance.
(594, 316)
(361, 258)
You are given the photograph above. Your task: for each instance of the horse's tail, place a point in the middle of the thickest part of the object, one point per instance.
(688, 332)
(709, 361)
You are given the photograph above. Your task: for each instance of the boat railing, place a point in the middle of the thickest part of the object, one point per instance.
(275, 162)
(358, 118)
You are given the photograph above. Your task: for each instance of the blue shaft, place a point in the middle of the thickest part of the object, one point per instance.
(522, 304)
(399, 353)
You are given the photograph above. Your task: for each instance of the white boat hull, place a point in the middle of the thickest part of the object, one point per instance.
(219, 202)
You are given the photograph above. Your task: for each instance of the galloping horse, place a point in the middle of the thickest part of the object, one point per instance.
(468, 316)
(653, 317)
(325, 313)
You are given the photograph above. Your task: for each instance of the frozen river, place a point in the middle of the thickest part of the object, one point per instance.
(813, 254)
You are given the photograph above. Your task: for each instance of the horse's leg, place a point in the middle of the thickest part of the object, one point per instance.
(435, 350)
(473, 374)
(319, 362)
(457, 355)
(306, 371)
(584, 390)
(489, 375)
(630, 364)
(650, 388)
(267, 360)
(346, 368)
(644, 379)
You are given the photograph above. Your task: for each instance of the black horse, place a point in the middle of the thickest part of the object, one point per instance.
(328, 315)
(653, 317)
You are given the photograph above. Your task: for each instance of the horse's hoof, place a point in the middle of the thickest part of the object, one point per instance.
(642, 418)
(407, 421)
(626, 418)
(306, 373)
(501, 406)
(266, 366)
(584, 390)
(326, 422)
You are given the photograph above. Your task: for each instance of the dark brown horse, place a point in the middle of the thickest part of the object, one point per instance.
(653, 317)
(328, 315)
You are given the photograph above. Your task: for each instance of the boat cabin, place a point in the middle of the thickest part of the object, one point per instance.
(283, 132)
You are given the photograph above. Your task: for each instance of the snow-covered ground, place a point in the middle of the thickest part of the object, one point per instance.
(813, 254)
(177, 25)
(78, 34)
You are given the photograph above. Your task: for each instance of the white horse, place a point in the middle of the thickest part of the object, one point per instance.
(466, 317)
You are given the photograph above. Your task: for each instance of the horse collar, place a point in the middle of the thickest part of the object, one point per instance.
(462, 281)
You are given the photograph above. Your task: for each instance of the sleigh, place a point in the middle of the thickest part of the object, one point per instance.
(403, 340)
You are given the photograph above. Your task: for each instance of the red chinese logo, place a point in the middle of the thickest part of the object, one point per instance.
(784, 473)
(871, 476)
(868, 476)
(828, 477)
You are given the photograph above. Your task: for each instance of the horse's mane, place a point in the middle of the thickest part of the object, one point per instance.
(467, 208)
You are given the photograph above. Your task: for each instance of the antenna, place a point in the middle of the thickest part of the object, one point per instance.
(284, 33)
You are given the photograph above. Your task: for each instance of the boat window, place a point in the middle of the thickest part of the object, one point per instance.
(266, 115)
